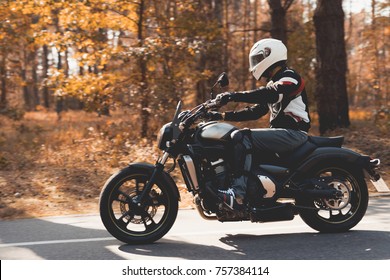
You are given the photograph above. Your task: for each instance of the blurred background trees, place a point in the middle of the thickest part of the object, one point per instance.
(98, 55)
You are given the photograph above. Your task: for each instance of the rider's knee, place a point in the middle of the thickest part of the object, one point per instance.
(237, 136)
(242, 137)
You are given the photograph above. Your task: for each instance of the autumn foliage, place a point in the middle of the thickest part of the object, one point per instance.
(86, 84)
(97, 55)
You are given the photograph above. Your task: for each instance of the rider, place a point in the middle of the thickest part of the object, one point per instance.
(284, 96)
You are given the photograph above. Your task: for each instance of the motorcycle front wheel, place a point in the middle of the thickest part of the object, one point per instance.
(136, 222)
(343, 213)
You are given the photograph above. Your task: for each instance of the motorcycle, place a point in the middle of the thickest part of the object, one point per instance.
(321, 181)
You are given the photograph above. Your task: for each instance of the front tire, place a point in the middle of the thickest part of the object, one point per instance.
(337, 215)
(137, 223)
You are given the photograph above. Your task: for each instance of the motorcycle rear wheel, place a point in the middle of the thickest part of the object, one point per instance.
(137, 223)
(337, 215)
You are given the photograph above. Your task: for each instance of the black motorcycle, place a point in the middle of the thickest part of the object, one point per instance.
(321, 181)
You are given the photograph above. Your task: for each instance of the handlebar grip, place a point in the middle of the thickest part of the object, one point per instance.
(213, 104)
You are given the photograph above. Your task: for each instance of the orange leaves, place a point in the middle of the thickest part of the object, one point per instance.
(92, 49)
(95, 90)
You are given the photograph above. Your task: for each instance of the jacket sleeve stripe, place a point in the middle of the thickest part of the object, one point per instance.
(288, 81)
(299, 90)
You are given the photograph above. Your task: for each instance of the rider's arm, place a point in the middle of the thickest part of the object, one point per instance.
(259, 95)
(249, 113)
(272, 93)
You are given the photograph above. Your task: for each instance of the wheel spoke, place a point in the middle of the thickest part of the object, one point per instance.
(137, 186)
(157, 200)
(129, 198)
(120, 200)
(148, 226)
(127, 213)
(162, 200)
(123, 223)
(337, 215)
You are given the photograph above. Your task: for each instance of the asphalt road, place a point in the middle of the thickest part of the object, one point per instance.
(84, 238)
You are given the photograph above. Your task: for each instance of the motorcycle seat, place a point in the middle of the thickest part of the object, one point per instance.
(319, 141)
(294, 157)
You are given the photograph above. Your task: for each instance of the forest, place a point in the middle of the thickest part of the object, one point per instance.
(86, 84)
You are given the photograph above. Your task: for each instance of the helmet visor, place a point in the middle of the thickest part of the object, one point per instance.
(256, 59)
(259, 57)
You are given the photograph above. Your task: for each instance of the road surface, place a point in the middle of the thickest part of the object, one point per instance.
(83, 237)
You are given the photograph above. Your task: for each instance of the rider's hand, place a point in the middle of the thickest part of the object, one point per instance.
(214, 116)
(224, 98)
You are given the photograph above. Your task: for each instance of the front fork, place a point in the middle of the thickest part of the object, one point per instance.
(159, 167)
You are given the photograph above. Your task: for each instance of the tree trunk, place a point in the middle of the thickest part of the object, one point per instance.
(212, 58)
(143, 78)
(59, 99)
(26, 92)
(255, 36)
(3, 77)
(227, 37)
(45, 64)
(35, 79)
(331, 68)
(25, 82)
(244, 56)
(278, 18)
(376, 65)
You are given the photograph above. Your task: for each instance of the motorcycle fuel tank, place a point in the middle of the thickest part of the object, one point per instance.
(216, 131)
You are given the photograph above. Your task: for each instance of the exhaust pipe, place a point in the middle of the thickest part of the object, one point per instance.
(199, 207)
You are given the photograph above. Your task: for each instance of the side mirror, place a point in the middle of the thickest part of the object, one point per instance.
(222, 81)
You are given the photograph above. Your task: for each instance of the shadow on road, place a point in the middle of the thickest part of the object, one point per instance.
(353, 245)
(59, 241)
(84, 237)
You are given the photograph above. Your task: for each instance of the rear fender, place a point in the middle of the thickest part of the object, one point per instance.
(164, 176)
(332, 155)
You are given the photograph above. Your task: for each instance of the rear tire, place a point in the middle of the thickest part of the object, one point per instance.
(137, 223)
(337, 215)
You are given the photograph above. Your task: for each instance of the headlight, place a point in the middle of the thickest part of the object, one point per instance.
(165, 134)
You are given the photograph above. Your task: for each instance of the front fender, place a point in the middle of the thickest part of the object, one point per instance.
(332, 155)
(164, 176)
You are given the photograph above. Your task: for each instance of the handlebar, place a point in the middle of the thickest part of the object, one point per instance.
(198, 112)
(213, 104)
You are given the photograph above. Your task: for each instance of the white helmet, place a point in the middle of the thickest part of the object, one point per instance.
(264, 54)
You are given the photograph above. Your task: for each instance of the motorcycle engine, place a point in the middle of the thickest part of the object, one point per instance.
(215, 176)
(218, 168)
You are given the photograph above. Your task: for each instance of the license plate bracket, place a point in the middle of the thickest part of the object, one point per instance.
(380, 185)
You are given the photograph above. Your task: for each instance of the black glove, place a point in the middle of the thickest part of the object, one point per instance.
(224, 98)
(214, 116)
